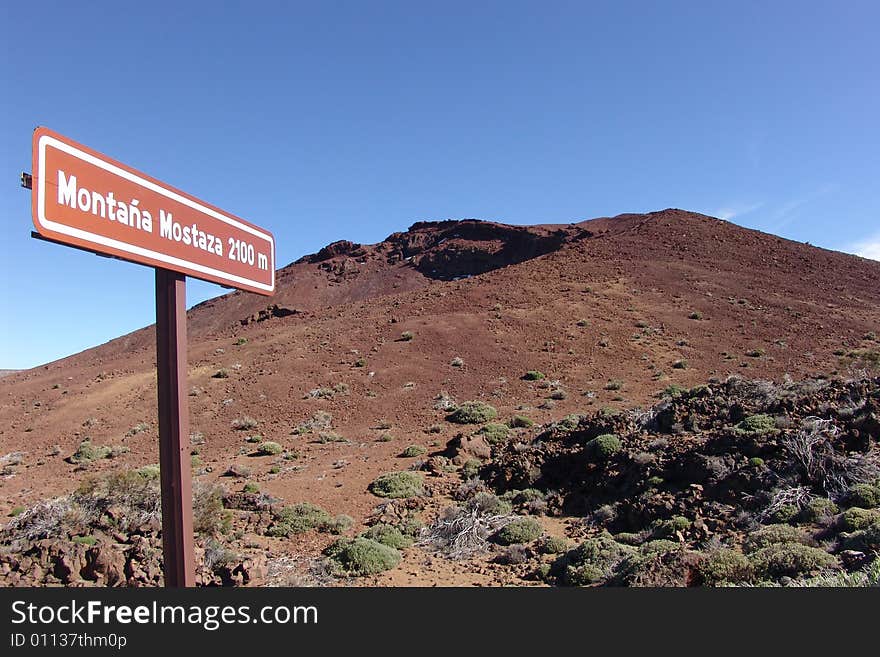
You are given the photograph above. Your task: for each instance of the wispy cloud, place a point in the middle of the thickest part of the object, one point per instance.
(788, 211)
(868, 248)
(729, 212)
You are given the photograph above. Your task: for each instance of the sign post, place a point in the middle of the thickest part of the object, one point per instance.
(84, 199)
(174, 447)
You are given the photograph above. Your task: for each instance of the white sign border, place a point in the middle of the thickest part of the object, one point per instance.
(48, 140)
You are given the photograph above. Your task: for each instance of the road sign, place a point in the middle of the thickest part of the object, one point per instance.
(85, 199)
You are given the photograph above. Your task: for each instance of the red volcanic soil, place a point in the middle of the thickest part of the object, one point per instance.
(669, 297)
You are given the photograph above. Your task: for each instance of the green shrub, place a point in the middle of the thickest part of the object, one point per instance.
(774, 535)
(298, 519)
(569, 422)
(526, 496)
(222, 373)
(695, 315)
(864, 496)
(470, 468)
(406, 336)
(494, 433)
(16, 511)
(674, 391)
(362, 556)
(668, 528)
(210, 517)
(338, 524)
(553, 545)
(521, 530)
(87, 452)
(789, 560)
(855, 519)
(388, 535)
(472, 412)
(244, 423)
(614, 385)
(269, 448)
(397, 484)
(325, 437)
(659, 568)
(413, 451)
(148, 472)
(251, 488)
(520, 422)
(756, 462)
(604, 447)
(487, 504)
(725, 566)
(534, 375)
(84, 540)
(757, 424)
(680, 364)
(866, 540)
(593, 561)
(819, 509)
(629, 538)
(784, 513)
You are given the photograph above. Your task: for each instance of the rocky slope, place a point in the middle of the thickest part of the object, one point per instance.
(612, 310)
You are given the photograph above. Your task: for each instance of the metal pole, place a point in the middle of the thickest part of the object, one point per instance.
(174, 448)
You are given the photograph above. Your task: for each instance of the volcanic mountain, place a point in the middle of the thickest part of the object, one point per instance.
(611, 310)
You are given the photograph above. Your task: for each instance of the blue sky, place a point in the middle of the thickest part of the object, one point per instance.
(350, 120)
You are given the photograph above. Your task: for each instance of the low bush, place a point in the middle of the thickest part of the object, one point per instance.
(413, 451)
(774, 535)
(297, 519)
(210, 517)
(725, 566)
(87, 453)
(521, 530)
(866, 540)
(269, 448)
(789, 560)
(471, 468)
(604, 446)
(397, 485)
(494, 433)
(593, 561)
(855, 519)
(487, 504)
(757, 424)
(388, 535)
(520, 422)
(864, 496)
(361, 556)
(244, 423)
(534, 375)
(819, 509)
(472, 412)
(553, 545)
(338, 524)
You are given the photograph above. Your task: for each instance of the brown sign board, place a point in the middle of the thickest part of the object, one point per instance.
(85, 199)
